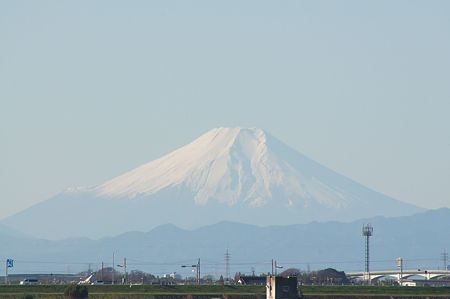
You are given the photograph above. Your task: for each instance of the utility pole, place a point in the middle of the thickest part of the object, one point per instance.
(125, 269)
(102, 271)
(277, 267)
(272, 268)
(198, 271)
(400, 265)
(124, 266)
(113, 270)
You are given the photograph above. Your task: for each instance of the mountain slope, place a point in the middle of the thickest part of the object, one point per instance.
(226, 165)
(419, 239)
(237, 174)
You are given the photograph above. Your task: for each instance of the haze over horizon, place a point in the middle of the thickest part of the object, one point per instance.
(90, 90)
(244, 175)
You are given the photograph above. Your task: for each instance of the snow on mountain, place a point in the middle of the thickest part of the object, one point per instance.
(235, 174)
(228, 165)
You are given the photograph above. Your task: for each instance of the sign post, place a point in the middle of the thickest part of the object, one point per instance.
(9, 264)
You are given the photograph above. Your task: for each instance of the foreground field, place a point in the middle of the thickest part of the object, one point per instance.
(229, 292)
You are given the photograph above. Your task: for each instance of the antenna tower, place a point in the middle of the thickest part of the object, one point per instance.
(367, 232)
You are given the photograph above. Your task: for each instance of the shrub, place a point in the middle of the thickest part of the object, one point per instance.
(75, 291)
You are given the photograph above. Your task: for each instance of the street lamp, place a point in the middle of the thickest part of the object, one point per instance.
(197, 268)
(277, 267)
(124, 266)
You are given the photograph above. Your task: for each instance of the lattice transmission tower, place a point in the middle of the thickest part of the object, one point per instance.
(227, 266)
(444, 257)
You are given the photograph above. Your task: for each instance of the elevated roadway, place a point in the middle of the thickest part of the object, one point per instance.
(374, 275)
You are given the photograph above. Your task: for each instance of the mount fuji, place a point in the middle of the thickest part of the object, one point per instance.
(234, 174)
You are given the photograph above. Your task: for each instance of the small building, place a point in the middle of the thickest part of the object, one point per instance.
(251, 280)
(172, 275)
(408, 283)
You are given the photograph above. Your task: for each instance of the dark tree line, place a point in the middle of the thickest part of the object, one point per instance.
(325, 276)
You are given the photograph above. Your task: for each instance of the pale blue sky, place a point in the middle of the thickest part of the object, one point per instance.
(90, 89)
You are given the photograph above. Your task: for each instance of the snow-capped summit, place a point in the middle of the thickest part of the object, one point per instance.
(229, 165)
(235, 174)
(220, 164)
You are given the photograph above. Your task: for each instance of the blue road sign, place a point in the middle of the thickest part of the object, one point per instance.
(9, 263)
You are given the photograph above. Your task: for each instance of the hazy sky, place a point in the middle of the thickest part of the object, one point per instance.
(90, 89)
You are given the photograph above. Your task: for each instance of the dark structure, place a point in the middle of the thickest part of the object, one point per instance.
(250, 280)
(367, 232)
(46, 278)
(278, 287)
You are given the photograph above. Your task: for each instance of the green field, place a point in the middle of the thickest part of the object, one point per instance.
(239, 292)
